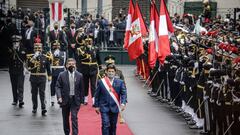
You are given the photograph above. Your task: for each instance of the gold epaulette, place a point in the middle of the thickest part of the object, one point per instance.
(200, 86)
(49, 56)
(29, 55)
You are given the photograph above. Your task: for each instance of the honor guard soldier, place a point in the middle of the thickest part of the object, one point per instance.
(79, 43)
(111, 60)
(39, 66)
(90, 62)
(57, 66)
(16, 69)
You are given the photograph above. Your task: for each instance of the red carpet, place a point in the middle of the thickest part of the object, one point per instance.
(90, 123)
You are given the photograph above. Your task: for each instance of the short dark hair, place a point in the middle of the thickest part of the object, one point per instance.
(111, 66)
(71, 59)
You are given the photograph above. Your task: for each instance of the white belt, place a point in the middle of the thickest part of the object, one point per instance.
(57, 66)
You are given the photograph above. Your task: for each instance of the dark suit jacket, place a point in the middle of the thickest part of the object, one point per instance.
(52, 36)
(71, 38)
(63, 88)
(29, 43)
(60, 38)
(104, 101)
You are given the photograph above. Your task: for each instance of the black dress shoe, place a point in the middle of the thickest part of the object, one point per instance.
(195, 127)
(188, 118)
(153, 95)
(44, 112)
(204, 132)
(187, 115)
(34, 111)
(21, 104)
(191, 122)
(14, 103)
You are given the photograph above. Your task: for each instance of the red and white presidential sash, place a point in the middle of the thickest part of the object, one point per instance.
(107, 84)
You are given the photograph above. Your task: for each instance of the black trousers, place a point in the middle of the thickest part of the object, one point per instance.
(176, 93)
(38, 87)
(53, 84)
(66, 109)
(93, 81)
(236, 114)
(17, 82)
(199, 106)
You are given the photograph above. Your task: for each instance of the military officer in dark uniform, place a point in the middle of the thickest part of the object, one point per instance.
(90, 64)
(39, 66)
(57, 66)
(111, 60)
(16, 70)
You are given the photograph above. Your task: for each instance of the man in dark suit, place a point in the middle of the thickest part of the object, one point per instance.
(57, 34)
(69, 90)
(110, 99)
(71, 35)
(30, 35)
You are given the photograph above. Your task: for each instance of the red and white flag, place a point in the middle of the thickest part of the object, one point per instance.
(165, 27)
(153, 36)
(128, 25)
(135, 46)
(57, 11)
(144, 29)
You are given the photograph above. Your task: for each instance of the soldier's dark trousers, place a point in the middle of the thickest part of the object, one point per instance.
(228, 118)
(17, 81)
(236, 114)
(38, 87)
(199, 104)
(53, 84)
(155, 82)
(207, 116)
(92, 78)
(221, 121)
(176, 93)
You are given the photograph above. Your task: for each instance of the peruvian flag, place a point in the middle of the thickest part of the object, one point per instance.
(144, 29)
(135, 46)
(56, 11)
(153, 36)
(128, 25)
(165, 27)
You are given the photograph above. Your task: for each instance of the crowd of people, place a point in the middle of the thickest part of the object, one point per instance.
(106, 34)
(200, 79)
(67, 57)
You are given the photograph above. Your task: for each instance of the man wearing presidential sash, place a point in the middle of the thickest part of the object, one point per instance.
(110, 100)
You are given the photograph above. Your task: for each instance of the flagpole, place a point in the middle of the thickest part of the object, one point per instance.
(143, 66)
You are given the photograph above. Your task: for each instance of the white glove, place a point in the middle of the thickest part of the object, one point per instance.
(56, 52)
(37, 53)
